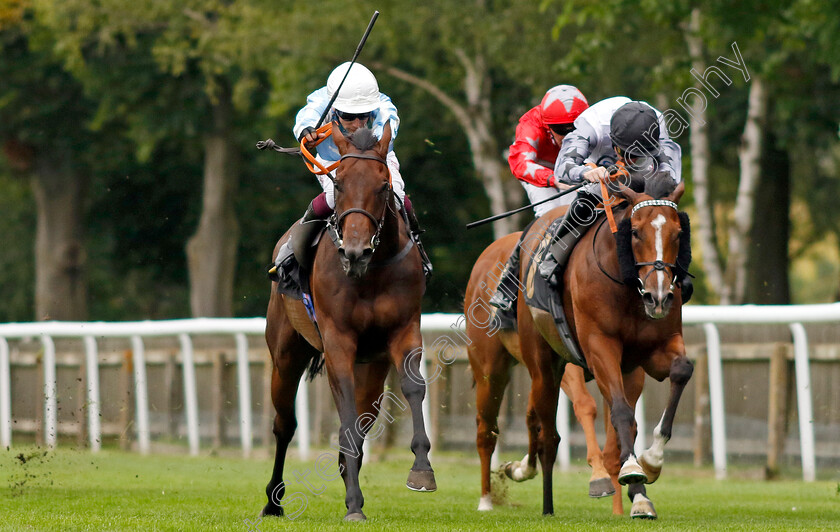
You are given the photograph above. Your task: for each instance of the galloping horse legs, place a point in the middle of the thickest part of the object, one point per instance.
(289, 365)
(604, 359)
(340, 360)
(406, 348)
(545, 390)
(574, 385)
(651, 460)
(370, 383)
(492, 374)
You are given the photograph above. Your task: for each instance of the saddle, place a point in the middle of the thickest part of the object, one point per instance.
(539, 293)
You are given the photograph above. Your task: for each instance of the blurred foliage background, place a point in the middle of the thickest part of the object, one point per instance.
(109, 112)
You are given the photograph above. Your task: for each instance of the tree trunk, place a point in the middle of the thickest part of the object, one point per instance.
(749, 154)
(700, 157)
(60, 257)
(211, 252)
(768, 282)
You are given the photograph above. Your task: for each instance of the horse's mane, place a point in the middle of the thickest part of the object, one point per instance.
(363, 139)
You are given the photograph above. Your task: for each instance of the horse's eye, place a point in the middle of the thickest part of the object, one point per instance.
(635, 233)
(384, 188)
(339, 187)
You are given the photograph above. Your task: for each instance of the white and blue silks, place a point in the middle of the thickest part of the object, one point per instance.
(328, 152)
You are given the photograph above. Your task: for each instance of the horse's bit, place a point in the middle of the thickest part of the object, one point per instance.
(334, 222)
(658, 265)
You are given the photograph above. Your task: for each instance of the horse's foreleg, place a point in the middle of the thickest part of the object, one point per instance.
(491, 370)
(340, 361)
(370, 400)
(574, 385)
(406, 348)
(285, 377)
(604, 357)
(653, 458)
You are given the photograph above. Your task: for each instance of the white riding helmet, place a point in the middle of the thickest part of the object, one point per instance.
(358, 94)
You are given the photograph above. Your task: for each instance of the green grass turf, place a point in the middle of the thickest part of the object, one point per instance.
(112, 490)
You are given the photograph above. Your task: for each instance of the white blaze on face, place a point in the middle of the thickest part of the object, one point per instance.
(657, 224)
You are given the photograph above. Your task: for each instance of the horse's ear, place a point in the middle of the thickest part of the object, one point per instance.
(385, 141)
(623, 191)
(677, 193)
(340, 140)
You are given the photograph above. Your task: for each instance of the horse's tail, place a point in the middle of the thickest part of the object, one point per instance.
(315, 366)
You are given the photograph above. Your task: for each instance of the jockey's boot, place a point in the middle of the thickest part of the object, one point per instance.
(508, 288)
(300, 235)
(576, 221)
(414, 229)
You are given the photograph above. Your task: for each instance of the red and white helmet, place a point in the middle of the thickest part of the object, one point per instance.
(359, 93)
(562, 105)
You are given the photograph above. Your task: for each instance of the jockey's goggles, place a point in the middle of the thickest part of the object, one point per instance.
(562, 129)
(350, 117)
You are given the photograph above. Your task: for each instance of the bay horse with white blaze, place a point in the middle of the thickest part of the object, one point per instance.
(367, 284)
(622, 302)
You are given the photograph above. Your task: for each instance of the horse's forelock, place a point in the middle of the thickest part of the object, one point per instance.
(659, 185)
(363, 139)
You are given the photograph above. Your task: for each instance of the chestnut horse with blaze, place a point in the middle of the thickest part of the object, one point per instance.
(623, 305)
(367, 283)
(492, 356)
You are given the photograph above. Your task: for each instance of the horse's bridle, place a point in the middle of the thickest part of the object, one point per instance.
(658, 265)
(334, 221)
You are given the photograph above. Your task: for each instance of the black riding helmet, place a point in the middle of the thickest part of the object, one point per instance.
(628, 126)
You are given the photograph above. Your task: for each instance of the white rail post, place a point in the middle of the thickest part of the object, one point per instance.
(5, 395)
(803, 400)
(50, 391)
(141, 397)
(302, 414)
(190, 395)
(244, 378)
(716, 399)
(565, 454)
(641, 426)
(92, 367)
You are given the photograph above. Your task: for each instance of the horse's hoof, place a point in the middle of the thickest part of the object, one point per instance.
(421, 481)
(355, 516)
(651, 471)
(631, 472)
(271, 510)
(642, 508)
(601, 487)
(485, 503)
(507, 469)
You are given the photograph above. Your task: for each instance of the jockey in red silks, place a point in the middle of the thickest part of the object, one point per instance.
(532, 157)
(358, 104)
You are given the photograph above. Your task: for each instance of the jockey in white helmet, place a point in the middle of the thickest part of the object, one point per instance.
(358, 104)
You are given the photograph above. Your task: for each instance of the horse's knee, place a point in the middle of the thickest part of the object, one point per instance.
(585, 408)
(681, 370)
(284, 427)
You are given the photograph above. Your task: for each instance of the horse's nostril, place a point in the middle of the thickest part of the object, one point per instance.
(668, 298)
(647, 297)
(367, 252)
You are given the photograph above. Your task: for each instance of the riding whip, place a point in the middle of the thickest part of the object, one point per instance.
(352, 61)
(268, 143)
(520, 209)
